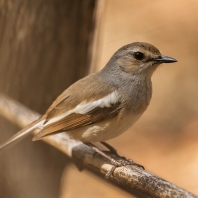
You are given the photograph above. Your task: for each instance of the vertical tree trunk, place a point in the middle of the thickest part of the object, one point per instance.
(43, 49)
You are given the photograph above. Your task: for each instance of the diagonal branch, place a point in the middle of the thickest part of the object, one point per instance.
(128, 177)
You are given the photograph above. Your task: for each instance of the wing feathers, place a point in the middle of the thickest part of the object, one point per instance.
(83, 108)
(68, 123)
(82, 115)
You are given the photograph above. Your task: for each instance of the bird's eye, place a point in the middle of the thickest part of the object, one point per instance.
(138, 55)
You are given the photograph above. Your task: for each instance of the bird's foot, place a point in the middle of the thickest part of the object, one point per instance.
(122, 161)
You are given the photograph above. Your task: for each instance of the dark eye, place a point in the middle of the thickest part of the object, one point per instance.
(138, 55)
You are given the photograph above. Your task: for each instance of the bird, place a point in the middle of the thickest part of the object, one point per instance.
(102, 105)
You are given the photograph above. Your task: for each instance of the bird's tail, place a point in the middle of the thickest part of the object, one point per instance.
(22, 134)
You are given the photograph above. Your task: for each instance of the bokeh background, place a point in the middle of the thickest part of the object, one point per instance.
(165, 139)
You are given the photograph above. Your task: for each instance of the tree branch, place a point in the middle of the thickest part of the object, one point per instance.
(128, 177)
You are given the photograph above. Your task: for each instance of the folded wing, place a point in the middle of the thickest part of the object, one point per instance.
(83, 114)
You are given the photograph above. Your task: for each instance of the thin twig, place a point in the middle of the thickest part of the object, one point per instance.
(129, 177)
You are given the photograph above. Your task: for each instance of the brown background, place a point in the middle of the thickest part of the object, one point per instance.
(165, 139)
(48, 38)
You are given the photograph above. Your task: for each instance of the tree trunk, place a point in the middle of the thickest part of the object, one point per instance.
(43, 49)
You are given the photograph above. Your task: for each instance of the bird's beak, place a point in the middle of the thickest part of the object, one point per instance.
(164, 59)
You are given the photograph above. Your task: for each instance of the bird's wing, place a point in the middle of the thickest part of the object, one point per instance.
(80, 108)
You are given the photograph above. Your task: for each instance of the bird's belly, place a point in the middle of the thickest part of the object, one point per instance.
(103, 130)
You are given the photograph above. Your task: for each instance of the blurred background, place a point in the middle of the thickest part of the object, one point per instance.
(45, 45)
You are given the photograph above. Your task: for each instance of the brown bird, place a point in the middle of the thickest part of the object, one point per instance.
(102, 105)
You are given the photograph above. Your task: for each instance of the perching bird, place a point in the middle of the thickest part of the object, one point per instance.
(102, 105)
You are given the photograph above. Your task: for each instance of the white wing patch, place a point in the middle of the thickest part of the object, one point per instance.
(84, 107)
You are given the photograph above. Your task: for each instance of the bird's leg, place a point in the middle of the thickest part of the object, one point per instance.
(112, 150)
(97, 150)
(116, 163)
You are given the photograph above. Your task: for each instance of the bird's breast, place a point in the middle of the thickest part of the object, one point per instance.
(136, 98)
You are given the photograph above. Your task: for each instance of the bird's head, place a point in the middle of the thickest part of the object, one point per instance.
(140, 58)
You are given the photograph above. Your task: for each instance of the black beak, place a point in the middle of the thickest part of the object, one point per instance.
(164, 59)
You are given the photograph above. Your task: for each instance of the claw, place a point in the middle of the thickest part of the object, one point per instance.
(114, 162)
